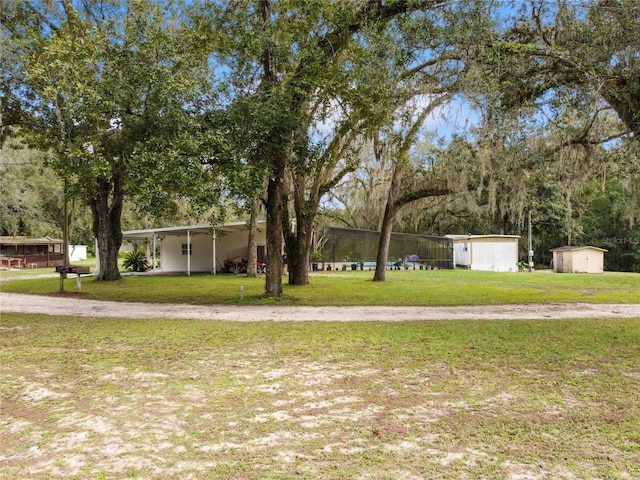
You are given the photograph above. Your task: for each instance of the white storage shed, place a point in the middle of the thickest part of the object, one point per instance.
(493, 253)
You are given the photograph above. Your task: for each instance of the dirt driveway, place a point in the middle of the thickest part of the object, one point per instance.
(53, 305)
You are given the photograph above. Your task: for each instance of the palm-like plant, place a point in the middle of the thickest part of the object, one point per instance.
(136, 262)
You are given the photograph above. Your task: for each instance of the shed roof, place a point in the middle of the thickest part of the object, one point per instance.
(572, 248)
(474, 237)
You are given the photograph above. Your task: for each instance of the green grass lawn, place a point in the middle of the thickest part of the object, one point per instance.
(156, 399)
(443, 287)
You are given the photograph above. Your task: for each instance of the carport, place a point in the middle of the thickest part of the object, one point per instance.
(197, 248)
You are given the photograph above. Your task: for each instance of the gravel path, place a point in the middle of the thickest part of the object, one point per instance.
(52, 305)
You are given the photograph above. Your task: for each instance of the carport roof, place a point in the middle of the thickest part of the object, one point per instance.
(148, 234)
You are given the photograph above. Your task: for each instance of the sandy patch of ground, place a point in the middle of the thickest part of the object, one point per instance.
(98, 410)
(154, 428)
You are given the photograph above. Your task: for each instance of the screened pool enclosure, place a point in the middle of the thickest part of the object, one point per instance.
(344, 246)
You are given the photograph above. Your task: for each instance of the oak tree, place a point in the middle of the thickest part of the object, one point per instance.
(106, 87)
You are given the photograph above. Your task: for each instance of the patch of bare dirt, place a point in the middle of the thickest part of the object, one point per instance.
(247, 413)
(68, 294)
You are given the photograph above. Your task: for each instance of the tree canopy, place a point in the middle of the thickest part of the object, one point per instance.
(108, 88)
(284, 101)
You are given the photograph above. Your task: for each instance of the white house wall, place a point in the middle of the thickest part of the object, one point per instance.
(234, 244)
(230, 244)
(173, 260)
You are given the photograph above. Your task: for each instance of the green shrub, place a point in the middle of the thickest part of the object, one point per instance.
(136, 262)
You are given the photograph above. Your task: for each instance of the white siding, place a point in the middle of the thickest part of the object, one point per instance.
(494, 253)
(228, 245)
(461, 251)
(234, 244)
(495, 256)
(173, 259)
(232, 240)
(77, 253)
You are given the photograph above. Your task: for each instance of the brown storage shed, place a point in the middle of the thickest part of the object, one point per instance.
(571, 259)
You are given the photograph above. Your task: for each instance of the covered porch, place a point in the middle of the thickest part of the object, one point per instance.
(30, 252)
(199, 248)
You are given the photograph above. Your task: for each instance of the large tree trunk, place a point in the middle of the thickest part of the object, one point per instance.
(380, 274)
(395, 201)
(277, 160)
(252, 258)
(107, 227)
(298, 250)
(273, 284)
(382, 154)
(307, 193)
(392, 208)
(298, 243)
